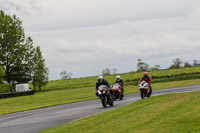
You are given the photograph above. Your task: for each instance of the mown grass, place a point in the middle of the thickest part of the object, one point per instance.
(173, 113)
(52, 98)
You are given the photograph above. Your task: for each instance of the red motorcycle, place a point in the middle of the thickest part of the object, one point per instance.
(117, 92)
(144, 89)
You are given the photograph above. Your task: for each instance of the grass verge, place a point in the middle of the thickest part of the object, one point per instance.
(52, 98)
(167, 114)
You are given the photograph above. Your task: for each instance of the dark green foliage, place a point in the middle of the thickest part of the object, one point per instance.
(2, 74)
(177, 63)
(40, 73)
(11, 36)
(23, 68)
(18, 55)
(5, 88)
(186, 64)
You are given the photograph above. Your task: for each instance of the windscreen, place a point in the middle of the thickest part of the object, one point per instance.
(102, 87)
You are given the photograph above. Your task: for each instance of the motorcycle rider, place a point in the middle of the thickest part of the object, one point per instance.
(101, 81)
(120, 82)
(146, 78)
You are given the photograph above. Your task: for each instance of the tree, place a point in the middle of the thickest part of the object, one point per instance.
(114, 70)
(66, 75)
(2, 74)
(142, 66)
(186, 64)
(23, 62)
(176, 64)
(156, 68)
(106, 71)
(11, 39)
(196, 63)
(40, 71)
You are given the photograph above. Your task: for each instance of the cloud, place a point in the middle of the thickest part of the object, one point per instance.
(24, 7)
(85, 37)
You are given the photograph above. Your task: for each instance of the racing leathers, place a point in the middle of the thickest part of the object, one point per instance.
(103, 82)
(148, 80)
(121, 83)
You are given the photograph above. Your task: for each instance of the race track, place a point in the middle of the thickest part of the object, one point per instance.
(37, 120)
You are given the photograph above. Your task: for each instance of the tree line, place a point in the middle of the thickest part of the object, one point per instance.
(177, 63)
(143, 66)
(20, 61)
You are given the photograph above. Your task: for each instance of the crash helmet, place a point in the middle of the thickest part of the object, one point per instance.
(145, 75)
(100, 79)
(118, 78)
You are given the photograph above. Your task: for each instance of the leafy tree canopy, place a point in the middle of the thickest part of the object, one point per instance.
(142, 66)
(21, 60)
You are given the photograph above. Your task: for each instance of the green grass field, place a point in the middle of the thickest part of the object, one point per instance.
(129, 78)
(52, 98)
(173, 113)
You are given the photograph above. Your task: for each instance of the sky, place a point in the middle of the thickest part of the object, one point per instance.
(86, 36)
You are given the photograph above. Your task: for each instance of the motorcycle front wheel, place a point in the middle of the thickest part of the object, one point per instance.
(142, 94)
(116, 94)
(104, 103)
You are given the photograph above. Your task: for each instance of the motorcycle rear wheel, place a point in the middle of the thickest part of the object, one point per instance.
(149, 94)
(121, 97)
(111, 101)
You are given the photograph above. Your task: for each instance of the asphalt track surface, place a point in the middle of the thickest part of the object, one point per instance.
(41, 119)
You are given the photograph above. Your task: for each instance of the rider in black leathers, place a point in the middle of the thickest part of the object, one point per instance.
(120, 82)
(101, 81)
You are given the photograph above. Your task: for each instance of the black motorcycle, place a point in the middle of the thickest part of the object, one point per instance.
(105, 96)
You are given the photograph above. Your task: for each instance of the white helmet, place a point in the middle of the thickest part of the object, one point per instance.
(100, 78)
(118, 78)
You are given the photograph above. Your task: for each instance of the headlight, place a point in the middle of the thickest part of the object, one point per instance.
(104, 91)
(99, 92)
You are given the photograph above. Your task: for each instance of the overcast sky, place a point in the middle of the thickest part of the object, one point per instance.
(86, 36)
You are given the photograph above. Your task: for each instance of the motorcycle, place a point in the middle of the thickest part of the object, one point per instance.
(144, 89)
(105, 96)
(117, 91)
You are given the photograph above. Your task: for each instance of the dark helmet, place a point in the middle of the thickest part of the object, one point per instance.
(100, 79)
(145, 75)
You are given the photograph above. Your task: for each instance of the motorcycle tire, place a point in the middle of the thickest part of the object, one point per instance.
(111, 101)
(104, 103)
(121, 96)
(149, 94)
(116, 95)
(142, 94)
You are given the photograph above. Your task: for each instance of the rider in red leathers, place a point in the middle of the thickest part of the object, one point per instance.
(146, 78)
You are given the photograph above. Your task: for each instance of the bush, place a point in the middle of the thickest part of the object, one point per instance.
(2, 74)
(4, 88)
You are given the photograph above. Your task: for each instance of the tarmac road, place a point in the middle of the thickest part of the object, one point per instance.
(37, 120)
